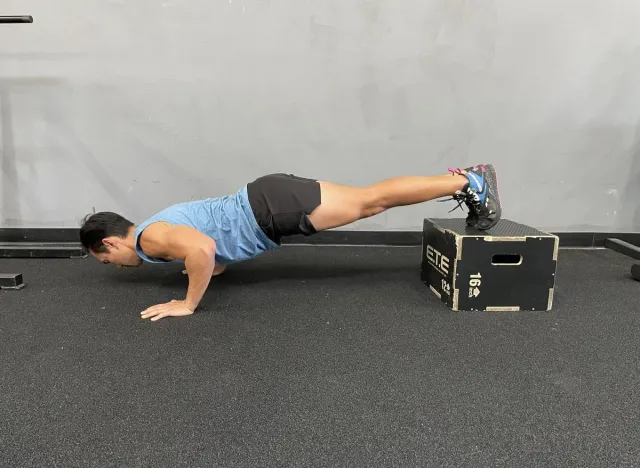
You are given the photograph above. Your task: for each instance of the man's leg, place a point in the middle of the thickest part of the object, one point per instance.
(342, 205)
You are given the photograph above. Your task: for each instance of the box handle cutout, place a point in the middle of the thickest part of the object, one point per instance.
(507, 259)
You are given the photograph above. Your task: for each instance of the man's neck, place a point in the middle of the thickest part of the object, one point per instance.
(130, 240)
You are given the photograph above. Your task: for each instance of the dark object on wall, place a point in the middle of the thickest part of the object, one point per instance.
(15, 19)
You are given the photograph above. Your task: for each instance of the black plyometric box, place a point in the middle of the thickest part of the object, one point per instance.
(509, 267)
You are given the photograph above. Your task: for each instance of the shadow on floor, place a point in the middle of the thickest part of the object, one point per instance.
(261, 273)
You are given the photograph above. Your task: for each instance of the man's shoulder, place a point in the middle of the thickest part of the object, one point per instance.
(152, 239)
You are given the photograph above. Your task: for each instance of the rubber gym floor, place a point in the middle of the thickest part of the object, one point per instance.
(316, 356)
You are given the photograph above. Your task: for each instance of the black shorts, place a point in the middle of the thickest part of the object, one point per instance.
(281, 204)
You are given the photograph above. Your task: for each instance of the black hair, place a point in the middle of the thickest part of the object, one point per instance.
(97, 226)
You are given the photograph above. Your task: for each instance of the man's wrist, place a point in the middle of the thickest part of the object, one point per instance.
(190, 305)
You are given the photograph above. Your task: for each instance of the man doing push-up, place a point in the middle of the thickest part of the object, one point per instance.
(209, 234)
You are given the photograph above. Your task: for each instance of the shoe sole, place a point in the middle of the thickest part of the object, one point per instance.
(492, 181)
(493, 178)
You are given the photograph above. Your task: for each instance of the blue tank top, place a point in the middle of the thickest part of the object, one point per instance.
(228, 220)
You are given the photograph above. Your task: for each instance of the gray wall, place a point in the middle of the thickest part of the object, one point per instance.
(134, 105)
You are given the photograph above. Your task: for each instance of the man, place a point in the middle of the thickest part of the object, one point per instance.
(209, 234)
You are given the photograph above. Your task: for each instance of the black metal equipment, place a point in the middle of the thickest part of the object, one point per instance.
(16, 19)
(628, 249)
(14, 280)
(11, 281)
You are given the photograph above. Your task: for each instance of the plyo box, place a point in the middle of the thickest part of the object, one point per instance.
(510, 267)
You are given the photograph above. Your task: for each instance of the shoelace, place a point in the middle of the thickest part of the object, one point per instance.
(471, 199)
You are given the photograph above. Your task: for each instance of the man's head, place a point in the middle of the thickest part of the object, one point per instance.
(109, 237)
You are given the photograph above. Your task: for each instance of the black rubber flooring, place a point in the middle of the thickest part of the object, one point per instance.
(316, 356)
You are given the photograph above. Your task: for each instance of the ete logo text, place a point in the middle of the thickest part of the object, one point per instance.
(438, 260)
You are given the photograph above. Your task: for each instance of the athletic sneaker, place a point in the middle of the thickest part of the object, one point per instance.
(480, 195)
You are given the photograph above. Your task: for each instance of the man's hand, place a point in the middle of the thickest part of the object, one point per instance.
(170, 309)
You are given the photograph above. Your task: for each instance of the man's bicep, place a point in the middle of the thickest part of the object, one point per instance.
(183, 240)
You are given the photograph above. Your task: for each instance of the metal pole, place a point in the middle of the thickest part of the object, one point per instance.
(16, 19)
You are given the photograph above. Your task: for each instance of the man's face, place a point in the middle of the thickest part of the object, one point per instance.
(118, 254)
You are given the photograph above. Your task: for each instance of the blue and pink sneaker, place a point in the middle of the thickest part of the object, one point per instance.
(480, 195)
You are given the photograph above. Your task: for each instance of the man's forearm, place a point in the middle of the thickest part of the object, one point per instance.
(199, 266)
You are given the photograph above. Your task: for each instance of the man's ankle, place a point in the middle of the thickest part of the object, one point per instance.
(460, 182)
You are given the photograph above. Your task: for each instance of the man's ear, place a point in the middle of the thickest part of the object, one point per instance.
(110, 242)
